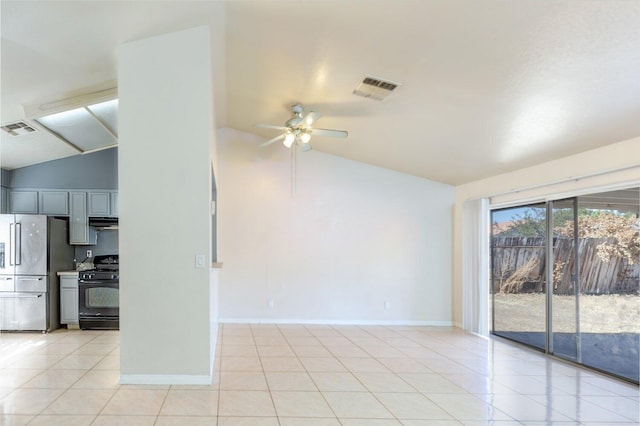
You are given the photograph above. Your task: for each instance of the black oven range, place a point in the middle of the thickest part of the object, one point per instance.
(99, 298)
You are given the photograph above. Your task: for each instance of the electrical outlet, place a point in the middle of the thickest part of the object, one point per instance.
(89, 253)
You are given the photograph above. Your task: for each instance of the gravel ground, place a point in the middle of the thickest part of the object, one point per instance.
(598, 314)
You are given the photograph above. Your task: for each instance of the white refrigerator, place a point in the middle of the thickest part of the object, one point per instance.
(33, 248)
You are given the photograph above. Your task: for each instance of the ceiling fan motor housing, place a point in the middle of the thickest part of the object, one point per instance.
(297, 109)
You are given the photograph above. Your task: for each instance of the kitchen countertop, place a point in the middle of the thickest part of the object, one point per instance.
(214, 265)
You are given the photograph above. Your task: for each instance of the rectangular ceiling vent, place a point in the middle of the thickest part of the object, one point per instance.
(375, 88)
(19, 128)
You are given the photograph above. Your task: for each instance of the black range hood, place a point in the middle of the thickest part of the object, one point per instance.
(103, 222)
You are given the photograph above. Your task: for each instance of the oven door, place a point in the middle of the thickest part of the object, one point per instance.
(98, 299)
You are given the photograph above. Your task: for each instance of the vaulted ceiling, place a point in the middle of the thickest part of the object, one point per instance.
(487, 86)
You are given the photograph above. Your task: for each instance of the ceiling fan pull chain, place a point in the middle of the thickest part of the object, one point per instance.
(294, 160)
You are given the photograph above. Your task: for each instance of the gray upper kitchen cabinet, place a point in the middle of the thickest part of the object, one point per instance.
(53, 203)
(99, 203)
(103, 203)
(23, 201)
(79, 231)
(114, 203)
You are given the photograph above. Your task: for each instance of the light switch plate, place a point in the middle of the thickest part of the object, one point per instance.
(199, 260)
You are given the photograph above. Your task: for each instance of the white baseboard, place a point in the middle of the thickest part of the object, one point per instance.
(333, 322)
(164, 379)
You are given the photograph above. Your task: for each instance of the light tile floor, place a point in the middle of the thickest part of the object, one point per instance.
(311, 375)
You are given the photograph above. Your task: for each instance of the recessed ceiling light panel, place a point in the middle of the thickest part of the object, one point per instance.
(87, 122)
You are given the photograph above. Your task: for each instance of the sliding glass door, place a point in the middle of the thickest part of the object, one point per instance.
(566, 279)
(518, 255)
(609, 251)
(564, 321)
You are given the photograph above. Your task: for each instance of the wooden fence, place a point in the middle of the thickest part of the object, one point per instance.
(519, 266)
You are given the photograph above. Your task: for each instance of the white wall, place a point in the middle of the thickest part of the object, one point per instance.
(612, 165)
(165, 130)
(353, 237)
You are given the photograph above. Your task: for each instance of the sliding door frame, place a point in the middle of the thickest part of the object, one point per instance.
(549, 272)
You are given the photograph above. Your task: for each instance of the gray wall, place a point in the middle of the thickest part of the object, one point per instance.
(98, 170)
(4, 177)
(107, 244)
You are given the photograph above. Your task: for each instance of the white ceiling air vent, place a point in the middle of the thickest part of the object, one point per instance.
(19, 128)
(375, 88)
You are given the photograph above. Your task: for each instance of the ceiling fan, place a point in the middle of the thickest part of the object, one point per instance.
(298, 129)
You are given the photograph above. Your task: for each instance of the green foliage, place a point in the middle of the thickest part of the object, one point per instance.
(531, 222)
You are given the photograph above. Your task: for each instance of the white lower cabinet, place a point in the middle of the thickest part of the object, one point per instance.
(69, 299)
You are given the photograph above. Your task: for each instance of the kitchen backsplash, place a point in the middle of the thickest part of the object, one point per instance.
(107, 244)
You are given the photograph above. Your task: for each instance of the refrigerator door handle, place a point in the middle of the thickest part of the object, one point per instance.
(18, 239)
(14, 295)
(12, 241)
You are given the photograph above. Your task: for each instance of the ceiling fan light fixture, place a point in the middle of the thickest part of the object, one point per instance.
(298, 131)
(288, 140)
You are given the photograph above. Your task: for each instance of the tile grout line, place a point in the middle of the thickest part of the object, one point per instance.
(310, 376)
(220, 338)
(273, 403)
(108, 400)
(65, 389)
(443, 344)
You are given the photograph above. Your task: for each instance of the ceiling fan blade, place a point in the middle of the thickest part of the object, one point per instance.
(269, 126)
(330, 133)
(310, 118)
(270, 141)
